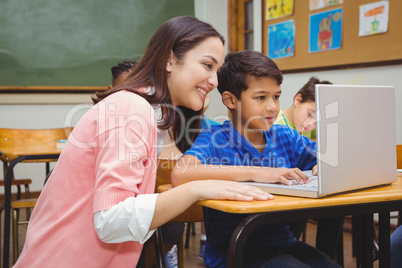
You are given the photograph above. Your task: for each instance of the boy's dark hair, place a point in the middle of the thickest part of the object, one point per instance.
(120, 68)
(239, 66)
(307, 92)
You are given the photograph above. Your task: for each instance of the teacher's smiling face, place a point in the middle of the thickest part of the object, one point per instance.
(192, 78)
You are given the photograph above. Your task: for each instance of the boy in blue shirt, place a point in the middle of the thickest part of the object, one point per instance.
(251, 148)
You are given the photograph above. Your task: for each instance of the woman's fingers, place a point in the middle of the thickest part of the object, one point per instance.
(251, 191)
(232, 191)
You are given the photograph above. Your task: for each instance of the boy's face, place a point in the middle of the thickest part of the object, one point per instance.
(259, 105)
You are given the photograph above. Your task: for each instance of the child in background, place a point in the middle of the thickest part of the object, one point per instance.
(301, 116)
(121, 71)
(251, 147)
(98, 206)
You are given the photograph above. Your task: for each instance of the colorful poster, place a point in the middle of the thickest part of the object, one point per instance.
(317, 4)
(325, 31)
(278, 9)
(374, 18)
(281, 39)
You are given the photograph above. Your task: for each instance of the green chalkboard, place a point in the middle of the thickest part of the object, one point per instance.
(75, 42)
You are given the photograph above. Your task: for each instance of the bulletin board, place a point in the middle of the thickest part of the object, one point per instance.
(373, 50)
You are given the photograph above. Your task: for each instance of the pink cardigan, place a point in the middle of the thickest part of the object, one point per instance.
(110, 156)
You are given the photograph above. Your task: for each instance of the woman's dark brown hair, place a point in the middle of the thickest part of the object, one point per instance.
(179, 35)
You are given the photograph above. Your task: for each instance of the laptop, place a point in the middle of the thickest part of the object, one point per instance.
(356, 141)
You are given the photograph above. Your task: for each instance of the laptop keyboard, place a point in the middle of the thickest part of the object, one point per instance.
(313, 182)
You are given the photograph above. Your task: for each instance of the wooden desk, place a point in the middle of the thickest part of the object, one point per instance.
(363, 203)
(10, 157)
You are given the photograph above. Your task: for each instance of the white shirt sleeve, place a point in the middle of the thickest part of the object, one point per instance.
(127, 221)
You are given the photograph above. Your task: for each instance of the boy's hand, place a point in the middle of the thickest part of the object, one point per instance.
(228, 190)
(315, 170)
(281, 175)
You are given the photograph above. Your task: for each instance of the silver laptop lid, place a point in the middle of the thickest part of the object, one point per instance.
(356, 137)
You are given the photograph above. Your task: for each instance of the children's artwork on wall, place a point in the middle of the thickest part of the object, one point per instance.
(278, 9)
(317, 4)
(281, 39)
(374, 18)
(325, 30)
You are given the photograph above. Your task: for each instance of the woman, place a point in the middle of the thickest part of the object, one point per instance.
(98, 206)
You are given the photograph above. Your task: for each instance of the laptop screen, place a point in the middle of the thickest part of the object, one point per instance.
(356, 136)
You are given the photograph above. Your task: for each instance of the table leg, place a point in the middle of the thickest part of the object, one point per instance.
(355, 235)
(47, 168)
(7, 212)
(384, 239)
(159, 254)
(238, 240)
(5, 165)
(363, 224)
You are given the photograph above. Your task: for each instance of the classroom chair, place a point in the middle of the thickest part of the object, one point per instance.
(15, 210)
(190, 229)
(191, 215)
(399, 166)
(28, 203)
(17, 138)
(164, 169)
(355, 222)
(16, 205)
(19, 183)
(339, 247)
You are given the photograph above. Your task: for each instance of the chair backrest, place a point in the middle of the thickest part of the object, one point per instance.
(163, 183)
(399, 156)
(24, 137)
(163, 171)
(192, 214)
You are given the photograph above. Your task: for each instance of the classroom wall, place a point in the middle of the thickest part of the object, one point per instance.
(215, 13)
(51, 111)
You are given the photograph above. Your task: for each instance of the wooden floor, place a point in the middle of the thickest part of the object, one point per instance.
(191, 259)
